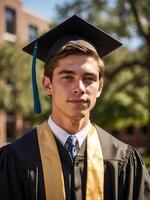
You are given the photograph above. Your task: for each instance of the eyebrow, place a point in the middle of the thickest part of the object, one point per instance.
(66, 72)
(72, 72)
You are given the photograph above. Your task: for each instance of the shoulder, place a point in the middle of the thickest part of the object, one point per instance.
(115, 151)
(112, 148)
(124, 162)
(24, 148)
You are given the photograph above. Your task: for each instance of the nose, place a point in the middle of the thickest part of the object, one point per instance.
(79, 87)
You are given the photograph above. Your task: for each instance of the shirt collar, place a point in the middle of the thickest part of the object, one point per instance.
(62, 135)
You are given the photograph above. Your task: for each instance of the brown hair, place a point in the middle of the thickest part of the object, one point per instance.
(79, 47)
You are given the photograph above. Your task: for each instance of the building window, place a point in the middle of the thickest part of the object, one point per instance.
(32, 32)
(10, 18)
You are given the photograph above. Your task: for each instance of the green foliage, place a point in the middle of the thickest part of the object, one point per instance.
(14, 64)
(5, 96)
(147, 163)
(125, 98)
(15, 79)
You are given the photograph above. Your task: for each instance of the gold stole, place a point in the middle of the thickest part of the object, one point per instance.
(52, 170)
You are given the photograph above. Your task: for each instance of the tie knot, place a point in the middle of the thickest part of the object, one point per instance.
(72, 140)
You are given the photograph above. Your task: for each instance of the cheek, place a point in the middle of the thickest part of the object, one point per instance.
(93, 90)
(59, 90)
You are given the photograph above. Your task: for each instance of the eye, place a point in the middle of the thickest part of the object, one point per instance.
(68, 77)
(89, 79)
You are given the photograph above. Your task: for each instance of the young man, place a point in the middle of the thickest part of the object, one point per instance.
(67, 156)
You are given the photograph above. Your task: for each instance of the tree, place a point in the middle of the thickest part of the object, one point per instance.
(15, 87)
(126, 97)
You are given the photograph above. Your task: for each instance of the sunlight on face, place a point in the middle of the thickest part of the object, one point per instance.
(75, 87)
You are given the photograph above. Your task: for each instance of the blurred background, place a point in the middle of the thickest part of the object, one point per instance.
(124, 106)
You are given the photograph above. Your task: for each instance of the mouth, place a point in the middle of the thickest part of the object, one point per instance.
(78, 101)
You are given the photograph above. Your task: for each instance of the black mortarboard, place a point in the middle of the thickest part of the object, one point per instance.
(73, 28)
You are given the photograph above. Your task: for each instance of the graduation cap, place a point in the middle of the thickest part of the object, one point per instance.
(74, 28)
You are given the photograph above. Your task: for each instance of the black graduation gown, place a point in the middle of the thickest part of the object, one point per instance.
(21, 175)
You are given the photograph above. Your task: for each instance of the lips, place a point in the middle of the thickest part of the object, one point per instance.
(78, 101)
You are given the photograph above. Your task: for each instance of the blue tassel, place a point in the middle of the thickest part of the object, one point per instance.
(37, 105)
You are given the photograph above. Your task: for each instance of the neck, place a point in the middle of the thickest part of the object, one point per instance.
(71, 125)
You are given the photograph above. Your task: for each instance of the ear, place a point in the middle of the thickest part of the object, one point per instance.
(47, 86)
(101, 82)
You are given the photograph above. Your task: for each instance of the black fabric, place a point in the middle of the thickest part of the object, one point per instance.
(125, 178)
(20, 163)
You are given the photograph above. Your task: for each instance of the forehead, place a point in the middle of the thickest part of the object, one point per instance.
(78, 63)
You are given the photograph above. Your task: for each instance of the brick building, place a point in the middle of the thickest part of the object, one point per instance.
(18, 23)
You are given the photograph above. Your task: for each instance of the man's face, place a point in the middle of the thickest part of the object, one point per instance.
(74, 87)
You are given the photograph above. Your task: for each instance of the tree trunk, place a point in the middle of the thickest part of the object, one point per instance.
(18, 124)
(3, 127)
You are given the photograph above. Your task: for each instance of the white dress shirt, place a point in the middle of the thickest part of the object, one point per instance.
(62, 135)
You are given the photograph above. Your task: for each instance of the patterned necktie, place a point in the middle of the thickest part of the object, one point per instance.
(72, 146)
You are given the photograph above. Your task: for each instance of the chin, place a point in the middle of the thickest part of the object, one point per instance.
(80, 115)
